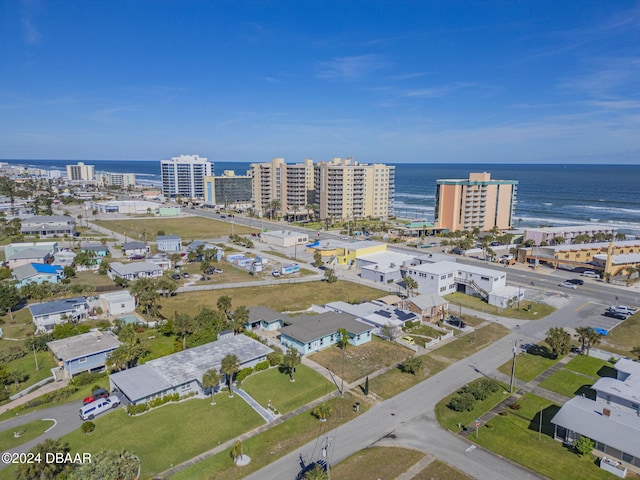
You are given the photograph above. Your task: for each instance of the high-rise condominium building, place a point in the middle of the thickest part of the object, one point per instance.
(114, 179)
(183, 176)
(80, 172)
(478, 202)
(228, 189)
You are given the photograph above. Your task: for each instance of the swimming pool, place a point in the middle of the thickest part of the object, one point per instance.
(127, 319)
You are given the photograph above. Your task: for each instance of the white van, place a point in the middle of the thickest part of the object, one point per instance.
(88, 412)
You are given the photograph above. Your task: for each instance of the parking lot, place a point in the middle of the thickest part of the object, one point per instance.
(592, 315)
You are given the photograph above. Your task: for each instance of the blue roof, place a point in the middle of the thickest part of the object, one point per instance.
(45, 268)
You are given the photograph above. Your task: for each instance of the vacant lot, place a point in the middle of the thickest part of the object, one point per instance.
(27, 432)
(438, 470)
(362, 360)
(391, 383)
(188, 228)
(537, 311)
(538, 359)
(470, 343)
(624, 338)
(383, 463)
(91, 278)
(275, 387)
(277, 297)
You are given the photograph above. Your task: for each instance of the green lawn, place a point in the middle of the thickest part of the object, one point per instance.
(568, 383)
(517, 439)
(272, 385)
(624, 337)
(170, 434)
(272, 444)
(537, 311)
(529, 366)
(28, 432)
(424, 330)
(20, 327)
(470, 343)
(450, 419)
(395, 381)
(594, 367)
(91, 278)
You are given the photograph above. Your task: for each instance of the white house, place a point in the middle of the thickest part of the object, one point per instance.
(134, 271)
(49, 314)
(117, 303)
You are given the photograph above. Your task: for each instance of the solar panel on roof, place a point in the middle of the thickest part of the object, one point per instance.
(384, 313)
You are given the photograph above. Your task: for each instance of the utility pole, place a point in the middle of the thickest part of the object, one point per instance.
(325, 455)
(513, 366)
(35, 356)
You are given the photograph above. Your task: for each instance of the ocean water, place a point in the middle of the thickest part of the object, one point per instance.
(547, 194)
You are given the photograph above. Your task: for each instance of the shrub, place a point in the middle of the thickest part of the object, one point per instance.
(412, 365)
(274, 358)
(260, 366)
(12, 354)
(85, 378)
(482, 389)
(88, 427)
(462, 402)
(54, 396)
(137, 409)
(409, 324)
(242, 374)
(584, 446)
(515, 406)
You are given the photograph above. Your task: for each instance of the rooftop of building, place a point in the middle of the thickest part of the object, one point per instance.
(571, 229)
(82, 345)
(56, 306)
(306, 328)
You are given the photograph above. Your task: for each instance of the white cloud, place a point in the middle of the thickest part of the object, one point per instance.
(351, 68)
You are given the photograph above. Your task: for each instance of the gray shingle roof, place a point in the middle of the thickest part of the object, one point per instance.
(30, 253)
(266, 314)
(82, 345)
(57, 306)
(133, 268)
(135, 245)
(427, 300)
(306, 328)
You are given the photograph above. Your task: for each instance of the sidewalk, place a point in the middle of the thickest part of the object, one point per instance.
(49, 387)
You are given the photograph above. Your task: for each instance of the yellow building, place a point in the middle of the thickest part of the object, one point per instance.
(345, 253)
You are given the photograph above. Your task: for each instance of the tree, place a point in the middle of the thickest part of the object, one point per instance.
(10, 297)
(366, 386)
(183, 325)
(330, 275)
(559, 340)
(147, 295)
(290, 361)
(317, 472)
(317, 259)
(588, 338)
(343, 341)
(211, 379)
(636, 351)
(322, 411)
(229, 367)
(224, 305)
(239, 319)
(584, 446)
(412, 365)
(410, 284)
(237, 452)
(43, 469)
(166, 286)
(390, 331)
(68, 272)
(108, 465)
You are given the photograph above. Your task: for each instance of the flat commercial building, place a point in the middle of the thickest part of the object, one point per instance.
(478, 202)
(183, 176)
(228, 189)
(568, 234)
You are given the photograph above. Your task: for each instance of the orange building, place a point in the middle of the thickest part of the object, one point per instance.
(477, 202)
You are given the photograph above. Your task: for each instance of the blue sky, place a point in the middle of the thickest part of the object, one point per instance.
(396, 82)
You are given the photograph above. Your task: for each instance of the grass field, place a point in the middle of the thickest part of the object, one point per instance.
(568, 383)
(438, 470)
(20, 328)
(281, 298)
(91, 278)
(362, 360)
(270, 445)
(531, 365)
(470, 343)
(517, 439)
(383, 463)
(188, 228)
(28, 432)
(274, 386)
(594, 367)
(538, 310)
(395, 381)
(624, 338)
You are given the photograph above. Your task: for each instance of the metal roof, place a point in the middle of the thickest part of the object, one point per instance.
(57, 306)
(619, 430)
(427, 300)
(82, 345)
(133, 268)
(30, 253)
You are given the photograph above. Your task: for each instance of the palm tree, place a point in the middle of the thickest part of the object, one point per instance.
(593, 338)
(224, 305)
(240, 318)
(211, 379)
(296, 209)
(273, 205)
(229, 367)
(237, 452)
(410, 284)
(290, 361)
(343, 341)
(582, 333)
(322, 411)
(183, 324)
(559, 340)
(316, 473)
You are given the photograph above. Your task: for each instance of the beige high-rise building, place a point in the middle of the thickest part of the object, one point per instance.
(340, 189)
(80, 172)
(478, 202)
(346, 189)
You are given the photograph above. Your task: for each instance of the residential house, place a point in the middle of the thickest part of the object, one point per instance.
(87, 352)
(182, 372)
(134, 271)
(37, 273)
(196, 244)
(612, 420)
(375, 313)
(49, 226)
(383, 267)
(13, 248)
(29, 255)
(160, 259)
(99, 251)
(135, 249)
(169, 243)
(48, 314)
(263, 318)
(310, 333)
(117, 303)
(64, 258)
(430, 306)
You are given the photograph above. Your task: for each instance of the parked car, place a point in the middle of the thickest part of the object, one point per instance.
(616, 315)
(186, 275)
(136, 257)
(217, 270)
(624, 310)
(456, 322)
(408, 340)
(176, 276)
(590, 274)
(275, 273)
(568, 285)
(88, 412)
(576, 281)
(97, 394)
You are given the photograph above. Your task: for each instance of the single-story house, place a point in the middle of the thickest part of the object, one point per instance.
(37, 273)
(29, 255)
(391, 300)
(99, 251)
(87, 352)
(377, 314)
(64, 258)
(134, 270)
(13, 248)
(159, 259)
(49, 226)
(117, 303)
(612, 420)
(310, 333)
(48, 314)
(284, 238)
(196, 244)
(266, 319)
(182, 372)
(430, 306)
(135, 248)
(169, 243)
